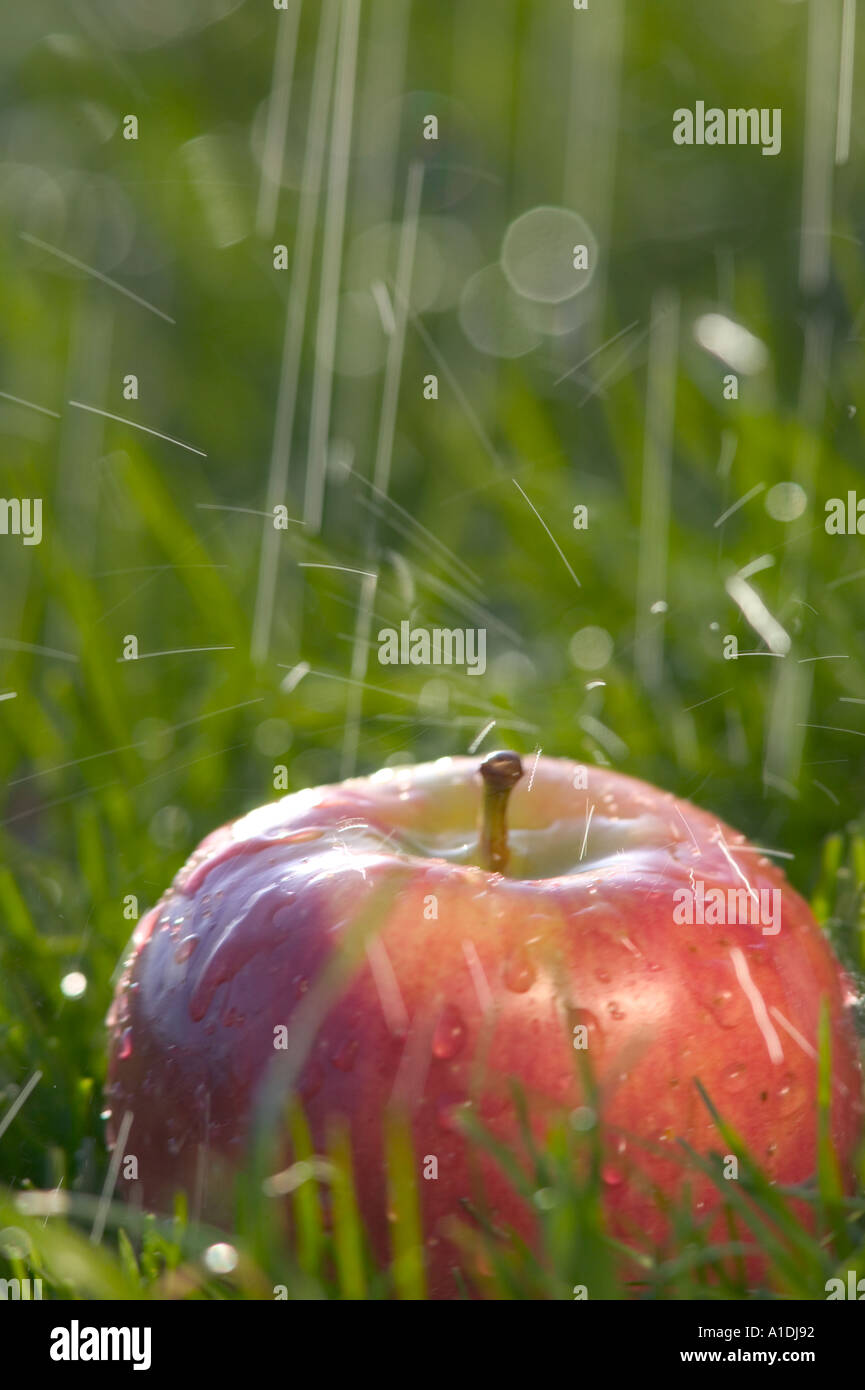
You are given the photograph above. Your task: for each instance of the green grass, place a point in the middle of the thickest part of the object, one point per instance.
(138, 1255)
(141, 1256)
(111, 772)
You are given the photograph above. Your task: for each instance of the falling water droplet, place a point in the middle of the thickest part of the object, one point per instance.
(449, 1035)
(611, 1176)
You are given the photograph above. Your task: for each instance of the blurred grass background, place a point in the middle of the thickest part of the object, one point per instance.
(255, 125)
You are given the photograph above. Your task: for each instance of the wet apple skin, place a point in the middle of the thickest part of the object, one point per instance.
(508, 968)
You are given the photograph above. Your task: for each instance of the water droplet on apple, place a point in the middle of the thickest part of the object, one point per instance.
(300, 837)
(604, 976)
(518, 973)
(449, 1035)
(125, 1050)
(344, 1059)
(708, 979)
(612, 1177)
(735, 1077)
(144, 930)
(731, 1007)
(791, 1093)
(185, 949)
(615, 1010)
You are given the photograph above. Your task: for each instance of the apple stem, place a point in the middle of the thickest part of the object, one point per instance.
(501, 772)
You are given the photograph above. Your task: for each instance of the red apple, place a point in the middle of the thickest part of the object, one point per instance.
(412, 957)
